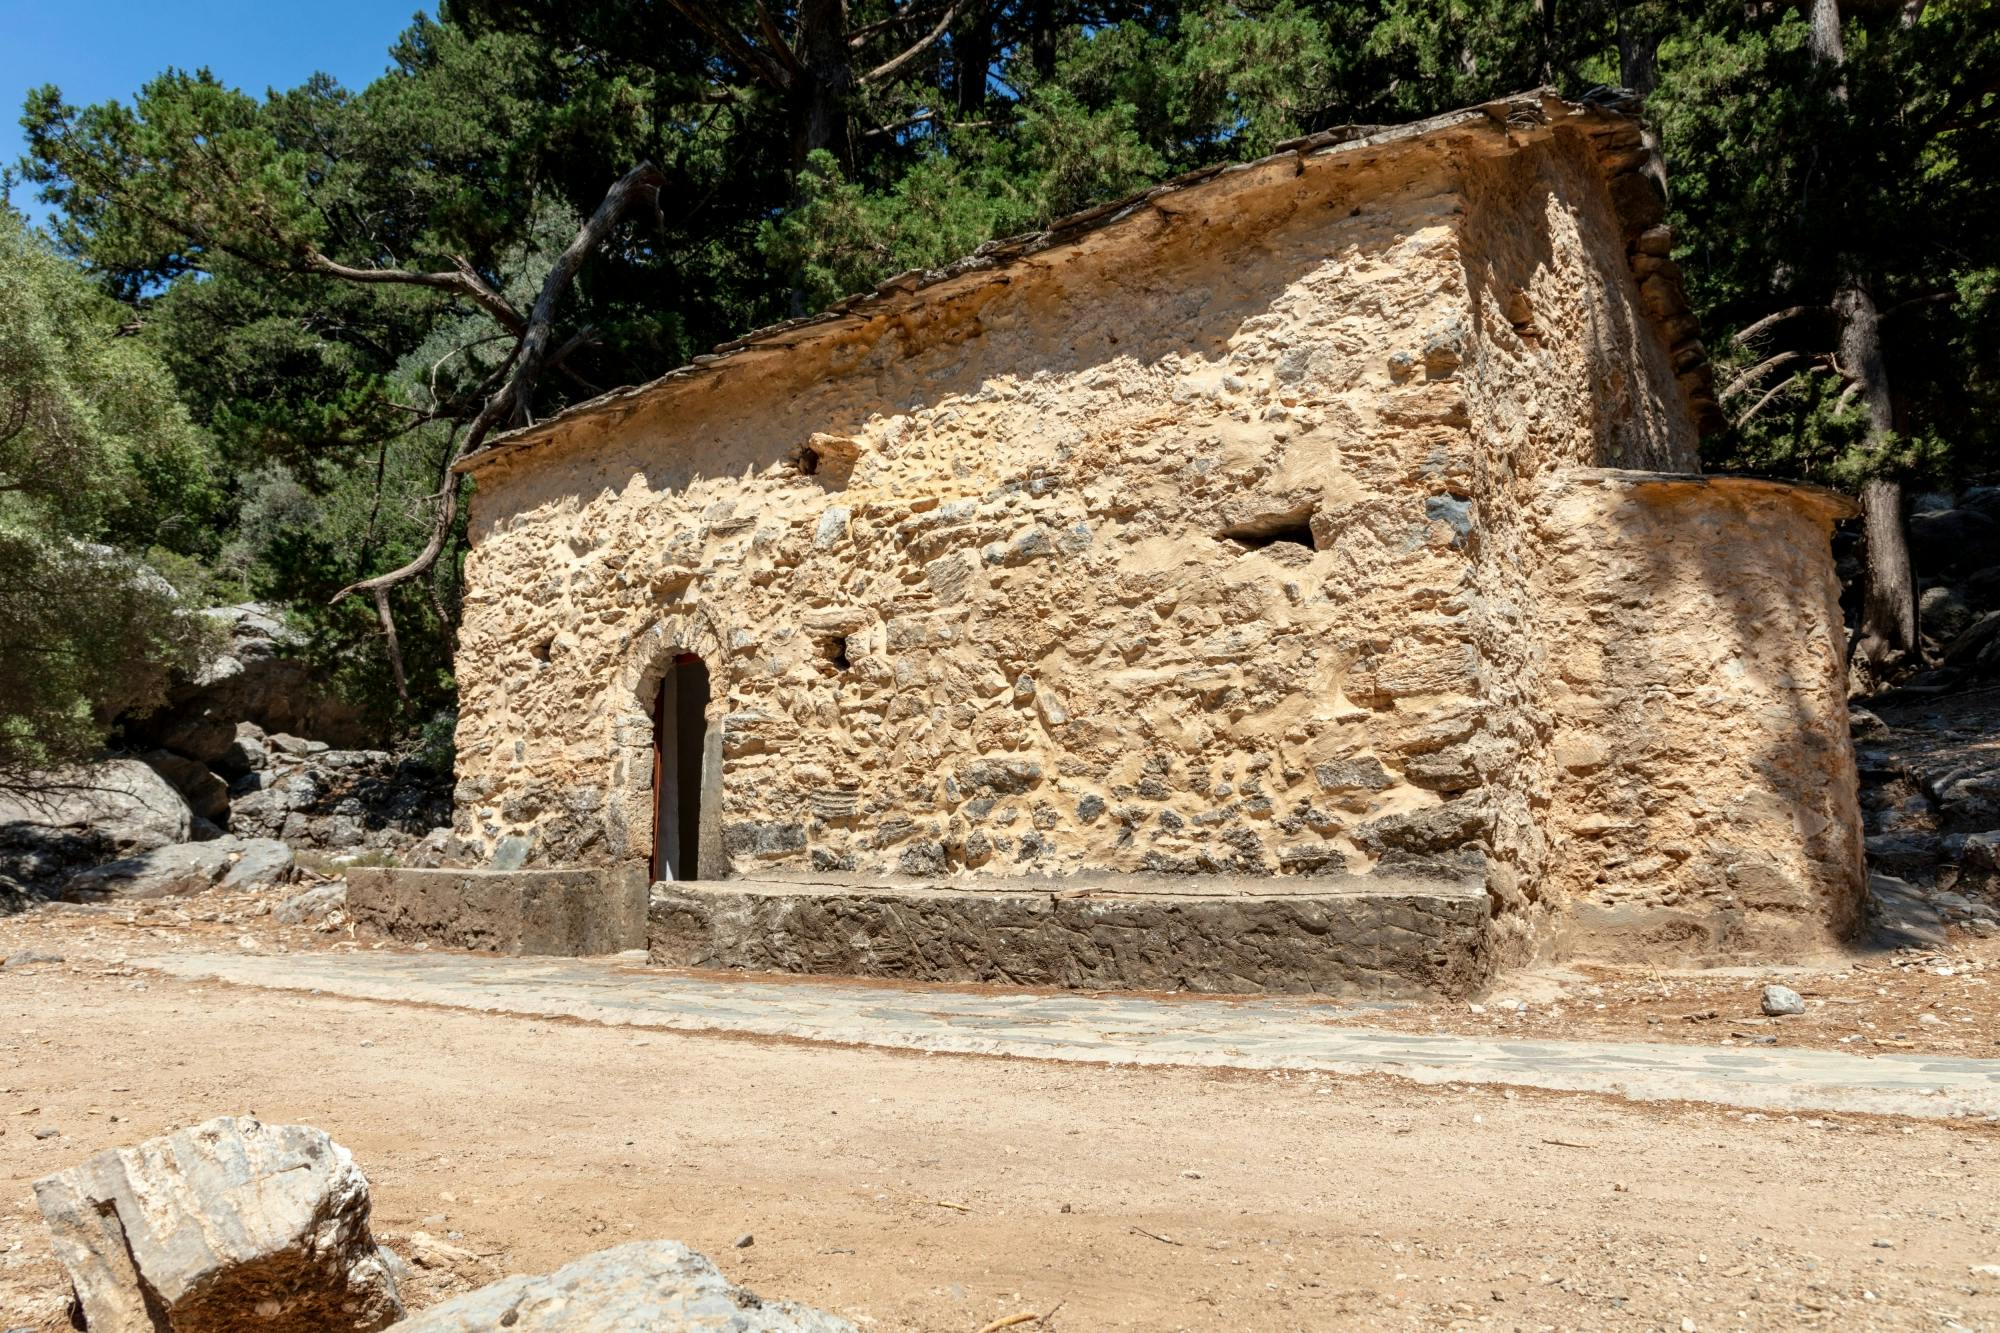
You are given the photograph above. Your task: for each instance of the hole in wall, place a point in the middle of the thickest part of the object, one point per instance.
(541, 651)
(1292, 526)
(807, 462)
(834, 649)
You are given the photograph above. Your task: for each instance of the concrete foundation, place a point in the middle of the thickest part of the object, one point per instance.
(566, 912)
(1355, 937)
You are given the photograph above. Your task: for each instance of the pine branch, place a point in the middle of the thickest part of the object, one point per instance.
(895, 63)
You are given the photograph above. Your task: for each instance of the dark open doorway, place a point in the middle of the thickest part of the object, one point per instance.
(680, 726)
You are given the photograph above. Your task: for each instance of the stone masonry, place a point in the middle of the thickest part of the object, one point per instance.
(1327, 520)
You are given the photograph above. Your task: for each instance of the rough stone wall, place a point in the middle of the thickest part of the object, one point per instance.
(1200, 546)
(1564, 369)
(1704, 793)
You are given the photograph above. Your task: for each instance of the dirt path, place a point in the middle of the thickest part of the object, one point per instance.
(939, 1192)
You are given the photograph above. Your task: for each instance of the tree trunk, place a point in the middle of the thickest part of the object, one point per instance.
(1638, 49)
(1888, 632)
(1823, 40)
(820, 105)
(1639, 70)
(1042, 38)
(1888, 635)
(972, 57)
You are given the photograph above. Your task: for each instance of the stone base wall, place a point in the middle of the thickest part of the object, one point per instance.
(562, 912)
(1408, 942)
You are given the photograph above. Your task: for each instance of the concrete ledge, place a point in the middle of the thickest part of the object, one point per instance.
(566, 912)
(1405, 940)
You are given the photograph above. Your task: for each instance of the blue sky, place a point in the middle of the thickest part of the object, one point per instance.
(98, 49)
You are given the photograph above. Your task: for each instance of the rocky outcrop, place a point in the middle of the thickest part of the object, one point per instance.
(311, 795)
(122, 802)
(257, 678)
(648, 1286)
(190, 867)
(231, 1225)
(81, 818)
(1930, 802)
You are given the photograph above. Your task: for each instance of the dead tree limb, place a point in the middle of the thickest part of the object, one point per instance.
(1770, 321)
(462, 278)
(1756, 373)
(896, 63)
(509, 403)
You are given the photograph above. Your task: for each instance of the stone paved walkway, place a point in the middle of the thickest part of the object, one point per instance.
(1114, 1029)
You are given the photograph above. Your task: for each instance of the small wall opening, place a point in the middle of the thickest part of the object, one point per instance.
(680, 740)
(1293, 526)
(834, 649)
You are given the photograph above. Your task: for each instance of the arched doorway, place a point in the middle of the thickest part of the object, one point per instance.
(680, 734)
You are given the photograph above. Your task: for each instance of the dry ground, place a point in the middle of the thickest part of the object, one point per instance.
(937, 1193)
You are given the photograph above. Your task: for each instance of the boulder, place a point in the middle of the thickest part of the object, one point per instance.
(231, 1225)
(256, 678)
(190, 867)
(258, 863)
(648, 1286)
(248, 751)
(1902, 917)
(1944, 613)
(1954, 539)
(123, 803)
(315, 904)
(206, 794)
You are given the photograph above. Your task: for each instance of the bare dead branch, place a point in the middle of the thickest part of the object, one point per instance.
(1757, 372)
(894, 64)
(1928, 298)
(1770, 321)
(1776, 391)
(509, 395)
(463, 281)
(858, 37)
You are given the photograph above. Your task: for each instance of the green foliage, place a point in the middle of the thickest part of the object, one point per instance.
(94, 450)
(1790, 175)
(320, 411)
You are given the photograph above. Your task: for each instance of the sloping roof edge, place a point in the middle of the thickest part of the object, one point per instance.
(1632, 172)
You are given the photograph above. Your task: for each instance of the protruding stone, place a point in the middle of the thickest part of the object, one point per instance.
(228, 1226)
(657, 1285)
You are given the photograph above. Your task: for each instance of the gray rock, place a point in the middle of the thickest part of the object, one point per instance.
(1363, 774)
(28, 958)
(206, 794)
(122, 801)
(1781, 1000)
(1901, 915)
(259, 863)
(648, 1286)
(1435, 828)
(248, 752)
(431, 850)
(233, 1224)
(764, 838)
(1944, 614)
(1007, 777)
(313, 905)
(191, 867)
